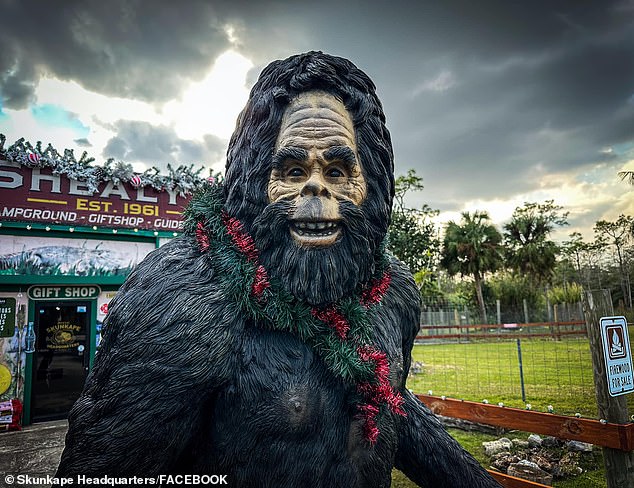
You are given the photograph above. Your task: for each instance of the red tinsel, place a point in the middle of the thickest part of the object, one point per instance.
(202, 237)
(370, 428)
(377, 290)
(380, 392)
(261, 281)
(246, 245)
(243, 241)
(334, 319)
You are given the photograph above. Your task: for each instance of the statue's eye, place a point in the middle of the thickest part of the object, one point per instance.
(335, 173)
(295, 172)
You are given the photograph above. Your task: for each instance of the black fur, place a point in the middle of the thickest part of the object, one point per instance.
(184, 383)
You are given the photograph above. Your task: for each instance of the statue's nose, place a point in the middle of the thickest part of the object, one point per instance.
(315, 186)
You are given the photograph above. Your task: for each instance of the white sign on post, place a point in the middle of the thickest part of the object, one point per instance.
(618, 355)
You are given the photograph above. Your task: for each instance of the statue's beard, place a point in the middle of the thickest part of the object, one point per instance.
(319, 275)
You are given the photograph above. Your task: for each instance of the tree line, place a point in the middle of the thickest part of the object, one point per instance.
(472, 262)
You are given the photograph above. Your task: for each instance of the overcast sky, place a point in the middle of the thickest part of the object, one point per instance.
(493, 103)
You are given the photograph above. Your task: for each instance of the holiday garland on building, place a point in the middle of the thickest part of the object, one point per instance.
(341, 333)
(183, 179)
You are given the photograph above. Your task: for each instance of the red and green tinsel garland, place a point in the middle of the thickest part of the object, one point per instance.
(341, 333)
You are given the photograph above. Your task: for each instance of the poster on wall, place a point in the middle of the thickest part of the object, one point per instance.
(12, 355)
(25, 255)
(103, 304)
(7, 316)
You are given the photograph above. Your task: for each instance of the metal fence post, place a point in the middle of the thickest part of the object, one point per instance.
(519, 357)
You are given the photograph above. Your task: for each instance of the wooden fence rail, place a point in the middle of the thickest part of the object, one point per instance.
(615, 436)
(508, 481)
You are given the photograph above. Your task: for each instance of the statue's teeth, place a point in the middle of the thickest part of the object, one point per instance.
(311, 225)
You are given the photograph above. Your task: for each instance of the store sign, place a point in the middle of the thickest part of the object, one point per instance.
(58, 292)
(618, 355)
(7, 317)
(37, 195)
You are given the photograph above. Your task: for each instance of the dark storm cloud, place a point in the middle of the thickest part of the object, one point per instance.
(159, 145)
(481, 97)
(142, 50)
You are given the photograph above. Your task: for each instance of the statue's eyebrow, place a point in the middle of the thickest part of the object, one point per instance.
(341, 153)
(289, 153)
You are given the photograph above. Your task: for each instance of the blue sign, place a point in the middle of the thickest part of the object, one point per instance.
(618, 355)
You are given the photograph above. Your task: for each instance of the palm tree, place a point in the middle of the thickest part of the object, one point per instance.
(529, 251)
(472, 248)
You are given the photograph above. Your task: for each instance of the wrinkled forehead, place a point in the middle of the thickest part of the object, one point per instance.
(318, 115)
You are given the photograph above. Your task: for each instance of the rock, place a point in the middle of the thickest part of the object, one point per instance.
(579, 446)
(568, 465)
(534, 440)
(550, 442)
(520, 444)
(469, 426)
(502, 460)
(494, 447)
(530, 471)
(543, 462)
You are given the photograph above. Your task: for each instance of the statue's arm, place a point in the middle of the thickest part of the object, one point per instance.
(427, 454)
(165, 351)
(430, 457)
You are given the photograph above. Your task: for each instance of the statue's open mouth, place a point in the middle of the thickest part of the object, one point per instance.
(315, 233)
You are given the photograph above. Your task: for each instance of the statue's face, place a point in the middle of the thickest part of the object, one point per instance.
(316, 166)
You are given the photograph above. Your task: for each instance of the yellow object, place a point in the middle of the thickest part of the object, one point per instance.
(5, 378)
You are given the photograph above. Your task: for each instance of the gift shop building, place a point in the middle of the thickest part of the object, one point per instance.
(70, 233)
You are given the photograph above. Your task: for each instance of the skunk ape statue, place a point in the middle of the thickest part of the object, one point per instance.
(271, 343)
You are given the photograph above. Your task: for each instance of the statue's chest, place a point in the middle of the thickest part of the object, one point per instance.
(280, 386)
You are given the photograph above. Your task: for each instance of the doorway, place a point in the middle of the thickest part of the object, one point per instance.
(61, 358)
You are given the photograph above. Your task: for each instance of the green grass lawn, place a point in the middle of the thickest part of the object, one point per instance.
(557, 373)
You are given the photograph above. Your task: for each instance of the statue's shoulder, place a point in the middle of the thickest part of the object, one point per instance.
(403, 289)
(169, 315)
(175, 289)
(178, 262)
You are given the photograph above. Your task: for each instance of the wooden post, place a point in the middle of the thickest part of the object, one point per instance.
(499, 311)
(525, 310)
(619, 465)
